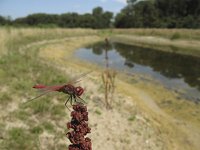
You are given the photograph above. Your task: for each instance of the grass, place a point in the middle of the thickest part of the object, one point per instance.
(20, 69)
(58, 110)
(36, 130)
(9, 37)
(40, 107)
(18, 138)
(189, 34)
(98, 112)
(5, 98)
(48, 126)
(22, 115)
(183, 41)
(131, 118)
(175, 36)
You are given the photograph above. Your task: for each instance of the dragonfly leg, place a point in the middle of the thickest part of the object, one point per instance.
(71, 98)
(80, 102)
(81, 99)
(74, 97)
(67, 102)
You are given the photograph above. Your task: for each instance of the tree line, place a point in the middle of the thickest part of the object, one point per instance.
(159, 14)
(97, 19)
(137, 14)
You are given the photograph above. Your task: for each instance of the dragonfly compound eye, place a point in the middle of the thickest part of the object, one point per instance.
(79, 90)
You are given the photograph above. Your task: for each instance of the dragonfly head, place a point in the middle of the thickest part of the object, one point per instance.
(79, 91)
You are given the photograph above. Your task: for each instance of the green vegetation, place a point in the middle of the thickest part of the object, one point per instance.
(18, 138)
(175, 36)
(97, 112)
(48, 126)
(22, 115)
(37, 130)
(5, 98)
(21, 68)
(131, 118)
(137, 14)
(97, 19)
(58, 110)
(159, 14)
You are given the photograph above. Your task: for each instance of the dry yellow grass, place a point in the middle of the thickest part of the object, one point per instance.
(190, 34)
(183, 41)
(12, 37)
(181, 46)
(3, 39)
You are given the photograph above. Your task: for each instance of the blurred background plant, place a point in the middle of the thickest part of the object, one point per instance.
(108, 78)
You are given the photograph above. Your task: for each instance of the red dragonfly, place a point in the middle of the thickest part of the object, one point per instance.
(69, 89)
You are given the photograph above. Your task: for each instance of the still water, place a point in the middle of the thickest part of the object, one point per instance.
(176, 72)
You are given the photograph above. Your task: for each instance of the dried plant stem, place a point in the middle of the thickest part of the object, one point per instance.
(108, 78)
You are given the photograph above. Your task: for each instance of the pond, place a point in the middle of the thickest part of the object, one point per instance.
(177, 72)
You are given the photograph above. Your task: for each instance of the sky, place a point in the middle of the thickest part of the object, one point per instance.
(21, 8)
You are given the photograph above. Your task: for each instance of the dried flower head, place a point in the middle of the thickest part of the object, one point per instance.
(80, 129)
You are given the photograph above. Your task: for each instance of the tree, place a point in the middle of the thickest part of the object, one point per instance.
(159, 13)
(97, 12)
(86, 21)
(131, 2)
(179, 13)
(107, 16)
(141, 14)
(102, 19)
(3, 21)
(69, 20)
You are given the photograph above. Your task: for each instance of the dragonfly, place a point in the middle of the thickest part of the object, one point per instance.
(73, 92)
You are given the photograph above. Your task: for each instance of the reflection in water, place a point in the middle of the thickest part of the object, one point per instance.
(173, 70)
(170, 65)
(99, 48)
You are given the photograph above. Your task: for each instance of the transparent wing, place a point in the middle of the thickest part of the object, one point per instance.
(76, 79)
(44, 93)
(57, 87)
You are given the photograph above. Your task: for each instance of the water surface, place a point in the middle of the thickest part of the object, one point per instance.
(175, 71)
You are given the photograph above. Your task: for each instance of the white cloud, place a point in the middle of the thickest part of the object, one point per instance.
(122, 1)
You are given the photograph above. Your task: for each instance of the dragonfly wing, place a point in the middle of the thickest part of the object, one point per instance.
(44, 93)
(76, 78)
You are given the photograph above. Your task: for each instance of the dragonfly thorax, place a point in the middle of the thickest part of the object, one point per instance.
(69, 89)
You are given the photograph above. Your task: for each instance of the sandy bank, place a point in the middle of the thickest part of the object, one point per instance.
(143, 97)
